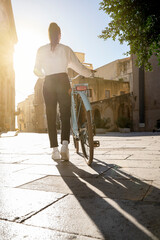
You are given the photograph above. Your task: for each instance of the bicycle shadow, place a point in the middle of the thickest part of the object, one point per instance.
(115, 206)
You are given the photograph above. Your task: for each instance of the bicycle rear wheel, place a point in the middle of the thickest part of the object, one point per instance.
(87, 143)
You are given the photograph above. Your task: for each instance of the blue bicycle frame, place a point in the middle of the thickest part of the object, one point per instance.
(87, 105)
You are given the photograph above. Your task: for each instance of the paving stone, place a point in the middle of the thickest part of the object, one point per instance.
(101, 163)
(18, 204)
(112, 188)
(51, 184)
(145, 156)
(65, 169)
(127, 173)
(17, 179)
(153, 193)
(133, 151)
(154, 148)
(39, 160)
(116, 198)
(12, 158)
(111, 156)
(10, 168)
(47, 160)
(15, 231)
(104, 218)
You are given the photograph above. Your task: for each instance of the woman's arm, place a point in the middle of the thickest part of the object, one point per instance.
(77, 66)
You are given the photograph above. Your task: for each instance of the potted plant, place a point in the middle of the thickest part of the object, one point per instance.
(124, 124)
(102, 125)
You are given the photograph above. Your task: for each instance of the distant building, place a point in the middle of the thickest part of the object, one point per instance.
(100, 89)
(108, 98)
(106, 112)
(8, 38)
(26, 117)
(118, 70)
(146, 95)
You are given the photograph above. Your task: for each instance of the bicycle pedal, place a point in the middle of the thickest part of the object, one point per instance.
(96, 143)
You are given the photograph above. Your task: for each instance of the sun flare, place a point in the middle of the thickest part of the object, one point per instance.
(24, 60)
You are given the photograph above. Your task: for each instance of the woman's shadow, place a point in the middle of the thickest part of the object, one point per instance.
(114, 201)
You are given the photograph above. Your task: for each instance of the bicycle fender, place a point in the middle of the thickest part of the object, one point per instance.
(85, 101)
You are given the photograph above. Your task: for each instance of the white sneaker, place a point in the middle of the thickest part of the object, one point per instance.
(64, 153)
(56, 154)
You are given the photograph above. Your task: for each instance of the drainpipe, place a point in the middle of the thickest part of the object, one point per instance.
(141, 98)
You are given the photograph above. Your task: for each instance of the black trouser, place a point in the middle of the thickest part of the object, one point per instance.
(56, 89)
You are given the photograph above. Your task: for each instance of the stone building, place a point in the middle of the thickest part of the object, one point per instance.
(109, 99)
(107, 111)
(26, 116)
(118, 70)
(8, 38)
(146, 94)
(100, 89)
(21, 122)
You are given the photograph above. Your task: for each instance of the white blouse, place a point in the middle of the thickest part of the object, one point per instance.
(58, 61)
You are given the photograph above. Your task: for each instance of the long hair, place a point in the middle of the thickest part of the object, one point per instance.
(54, 31)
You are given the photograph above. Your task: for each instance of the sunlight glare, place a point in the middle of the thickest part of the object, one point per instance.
(24, 60)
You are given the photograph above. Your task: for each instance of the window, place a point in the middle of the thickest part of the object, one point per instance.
(89, 92)
(107, 93)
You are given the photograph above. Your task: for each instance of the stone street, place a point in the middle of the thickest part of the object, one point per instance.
(117, 198)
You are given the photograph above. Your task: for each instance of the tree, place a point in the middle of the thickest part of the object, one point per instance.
(136, 22)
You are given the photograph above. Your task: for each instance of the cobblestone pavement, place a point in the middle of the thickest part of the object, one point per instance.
(118, 197)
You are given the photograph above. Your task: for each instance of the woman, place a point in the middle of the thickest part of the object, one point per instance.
(52, 62)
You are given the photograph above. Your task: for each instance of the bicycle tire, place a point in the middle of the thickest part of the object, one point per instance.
(87, 143)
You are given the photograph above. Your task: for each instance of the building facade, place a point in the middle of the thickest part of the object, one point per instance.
(118, 70)
(109, 99)
(100, 89)
(26, 117)
(8, 38)
(106, 112)
(146, 94)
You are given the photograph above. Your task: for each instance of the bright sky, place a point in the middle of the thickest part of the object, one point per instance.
(80, 21)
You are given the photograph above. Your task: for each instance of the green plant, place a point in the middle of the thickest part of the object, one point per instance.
(138, 24)
(103, 123)
(123, 122)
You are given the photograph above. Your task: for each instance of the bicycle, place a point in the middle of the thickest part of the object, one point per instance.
(82, 124)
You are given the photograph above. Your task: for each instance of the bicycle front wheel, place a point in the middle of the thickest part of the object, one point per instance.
(87, 137)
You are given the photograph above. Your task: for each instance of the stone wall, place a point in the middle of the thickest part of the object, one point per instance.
(102, 89)
(111, 109)
(151, 91)
(8, 38)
